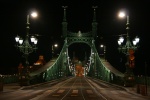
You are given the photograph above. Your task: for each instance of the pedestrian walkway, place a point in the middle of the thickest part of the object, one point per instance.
(11, 87)
(139, 90)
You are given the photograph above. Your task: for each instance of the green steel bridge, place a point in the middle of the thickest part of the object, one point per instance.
(62, 66)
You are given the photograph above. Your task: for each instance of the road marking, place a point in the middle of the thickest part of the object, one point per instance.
(60, 91)
(75, 91)
(89, 91)
(42, 95)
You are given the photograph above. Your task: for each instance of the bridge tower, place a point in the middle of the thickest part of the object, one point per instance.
(74, 37)
(80, 37)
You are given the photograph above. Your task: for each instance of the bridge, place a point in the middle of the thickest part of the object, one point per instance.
(64, 66)
(66, 78)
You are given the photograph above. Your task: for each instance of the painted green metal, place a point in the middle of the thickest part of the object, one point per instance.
(60, 67)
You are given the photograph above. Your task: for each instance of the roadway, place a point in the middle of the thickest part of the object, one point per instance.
(74, 88)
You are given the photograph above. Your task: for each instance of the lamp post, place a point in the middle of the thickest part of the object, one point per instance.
(54, 46)
(26, 47)
(128, 49)
(103, 46)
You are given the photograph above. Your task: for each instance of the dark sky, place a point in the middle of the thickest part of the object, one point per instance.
(79, 16)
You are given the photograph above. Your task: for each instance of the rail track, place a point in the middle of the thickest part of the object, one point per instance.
(73, 88)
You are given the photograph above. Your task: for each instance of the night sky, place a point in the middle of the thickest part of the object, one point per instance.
(79, 17)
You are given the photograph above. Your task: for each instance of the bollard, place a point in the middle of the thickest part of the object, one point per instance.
(1, 83)
(143, 90)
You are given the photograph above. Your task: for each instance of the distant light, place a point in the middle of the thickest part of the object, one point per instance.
(56, 45)
(34, 14)
(101, 46)
(121, 14)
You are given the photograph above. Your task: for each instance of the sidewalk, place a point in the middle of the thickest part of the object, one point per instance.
(11, 87)
(139, 90)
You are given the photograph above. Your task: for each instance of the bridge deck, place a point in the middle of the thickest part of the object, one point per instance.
(80, 88)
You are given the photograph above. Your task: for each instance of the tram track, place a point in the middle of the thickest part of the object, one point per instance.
(51, 89)
(77, 88)
(72, 88)
(94, 88)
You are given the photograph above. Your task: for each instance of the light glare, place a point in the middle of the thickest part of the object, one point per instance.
(34, 14)
(121, 14)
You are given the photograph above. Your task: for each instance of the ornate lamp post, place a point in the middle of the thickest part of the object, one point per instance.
(128, 49)
(54, 46)
(26, 47)
(103, 46)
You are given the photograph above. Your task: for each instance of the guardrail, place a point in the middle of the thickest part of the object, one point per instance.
(6, 79)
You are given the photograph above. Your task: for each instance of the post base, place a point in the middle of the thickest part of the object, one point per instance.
(129, 79)
(24, 81)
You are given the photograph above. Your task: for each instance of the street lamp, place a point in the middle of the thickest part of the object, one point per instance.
(54, 46)
(26, 47)
(128, 49)
(103, 46)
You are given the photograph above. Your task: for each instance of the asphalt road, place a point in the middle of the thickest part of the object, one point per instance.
(75, 88)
